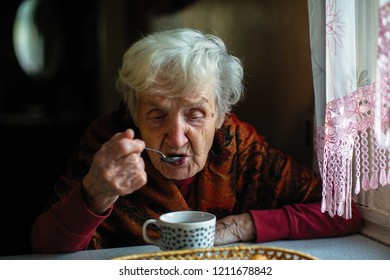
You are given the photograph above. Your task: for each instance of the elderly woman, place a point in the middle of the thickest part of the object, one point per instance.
(178, 88)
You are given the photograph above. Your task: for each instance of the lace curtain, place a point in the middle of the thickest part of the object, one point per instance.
(350, 48)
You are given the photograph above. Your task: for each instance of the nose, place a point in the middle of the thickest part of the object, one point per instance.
(176, 133)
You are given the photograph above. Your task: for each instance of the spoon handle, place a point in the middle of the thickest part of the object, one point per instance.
(156, 151)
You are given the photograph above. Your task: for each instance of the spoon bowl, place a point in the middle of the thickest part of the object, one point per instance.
(164, 157)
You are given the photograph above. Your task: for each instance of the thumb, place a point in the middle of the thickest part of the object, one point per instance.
(128, 133)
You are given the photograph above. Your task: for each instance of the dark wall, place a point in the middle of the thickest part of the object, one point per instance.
(43, 117)
(32, 158)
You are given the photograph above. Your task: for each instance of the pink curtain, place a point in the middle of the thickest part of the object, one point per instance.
(350, 46)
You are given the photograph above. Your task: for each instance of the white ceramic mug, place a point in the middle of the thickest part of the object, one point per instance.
(183, 230)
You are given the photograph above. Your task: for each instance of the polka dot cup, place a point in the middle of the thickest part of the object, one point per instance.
(183, 230)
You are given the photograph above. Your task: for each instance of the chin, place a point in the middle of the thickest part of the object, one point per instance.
(177, 172)
(177, 175)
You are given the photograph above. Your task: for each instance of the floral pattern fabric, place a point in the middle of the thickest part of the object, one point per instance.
(350, 44)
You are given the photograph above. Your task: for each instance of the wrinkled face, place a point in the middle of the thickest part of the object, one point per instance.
(178, 126)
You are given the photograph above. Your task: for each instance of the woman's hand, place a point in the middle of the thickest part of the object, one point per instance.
(117, 169)
(235, 228)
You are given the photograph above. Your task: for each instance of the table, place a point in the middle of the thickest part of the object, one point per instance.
(352, 247)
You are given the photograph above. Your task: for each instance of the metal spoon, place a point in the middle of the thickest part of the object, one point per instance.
(164, 157)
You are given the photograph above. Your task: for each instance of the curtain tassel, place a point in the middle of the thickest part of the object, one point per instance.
(382, 177)
(366, 182)
(374, 181)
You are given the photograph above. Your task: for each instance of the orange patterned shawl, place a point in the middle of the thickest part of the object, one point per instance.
(243, 172)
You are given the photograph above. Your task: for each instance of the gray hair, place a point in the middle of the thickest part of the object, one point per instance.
(177, 62)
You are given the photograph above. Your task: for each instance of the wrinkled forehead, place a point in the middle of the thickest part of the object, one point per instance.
(190, 94)
(185, 101)
(204, 98)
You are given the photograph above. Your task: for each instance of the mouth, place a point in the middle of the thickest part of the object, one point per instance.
(181, 159)
(177, 155)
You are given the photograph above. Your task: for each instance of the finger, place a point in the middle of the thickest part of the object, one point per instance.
(138, 182)
(224, 236)
(129, 164)
(135, 182)
(121, 147)
(128, 133)
(236, 228)
(131, 169)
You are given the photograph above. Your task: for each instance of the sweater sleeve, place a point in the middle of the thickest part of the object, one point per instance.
(302, 221)
(67, 226)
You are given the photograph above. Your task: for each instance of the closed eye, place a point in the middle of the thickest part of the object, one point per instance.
(156, 115)
(196, 116)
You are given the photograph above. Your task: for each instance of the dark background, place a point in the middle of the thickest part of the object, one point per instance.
(43, 117)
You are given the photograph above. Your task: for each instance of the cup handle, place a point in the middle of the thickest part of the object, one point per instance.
(155, 241)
